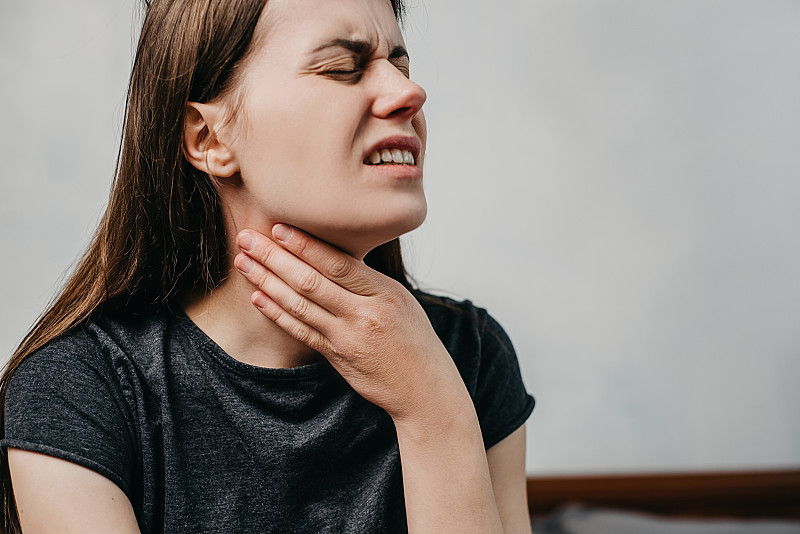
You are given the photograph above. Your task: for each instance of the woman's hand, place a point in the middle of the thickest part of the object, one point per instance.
(370, 327)
(378, 337)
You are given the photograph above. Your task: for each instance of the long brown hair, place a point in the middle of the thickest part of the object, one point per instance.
(162, 233)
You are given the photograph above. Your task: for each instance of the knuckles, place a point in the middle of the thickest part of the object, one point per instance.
(298, 306)
(266, 252)
(302, 334)
(309, 282)
(371, 321)
(299, 243)
(395, 295)
(260, 276)
(340, 268)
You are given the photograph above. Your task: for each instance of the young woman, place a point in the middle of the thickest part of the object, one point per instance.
(240, 349)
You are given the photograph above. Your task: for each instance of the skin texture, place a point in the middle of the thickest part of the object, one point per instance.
(295, 151)
(292, 158)
(379, 339)
(69, 498)
(54, 495)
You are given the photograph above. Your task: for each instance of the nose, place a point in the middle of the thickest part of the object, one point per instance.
(396, 95)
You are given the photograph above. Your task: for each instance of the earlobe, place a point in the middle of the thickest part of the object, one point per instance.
(201, 145)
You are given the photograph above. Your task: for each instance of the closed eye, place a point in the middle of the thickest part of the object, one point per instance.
(344, 74)
(404, 69)
(361, 51)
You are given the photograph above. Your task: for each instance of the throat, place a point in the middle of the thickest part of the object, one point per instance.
(228, 318)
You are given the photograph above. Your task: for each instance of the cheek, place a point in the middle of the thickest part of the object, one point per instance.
(287, 136)
(295, 163)
(421, 127)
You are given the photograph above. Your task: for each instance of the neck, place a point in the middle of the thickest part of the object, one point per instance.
(227, 316)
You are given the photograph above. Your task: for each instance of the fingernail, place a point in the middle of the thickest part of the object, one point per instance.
(282, 232)
(245, 241)
(259, 300)
(244, 263)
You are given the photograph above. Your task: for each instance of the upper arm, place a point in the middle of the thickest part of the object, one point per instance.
(55, 495)
(507, 470)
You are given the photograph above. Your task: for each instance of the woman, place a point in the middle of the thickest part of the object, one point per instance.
(240, 350)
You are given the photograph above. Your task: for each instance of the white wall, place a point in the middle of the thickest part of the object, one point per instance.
(64, 69)
(617, 181)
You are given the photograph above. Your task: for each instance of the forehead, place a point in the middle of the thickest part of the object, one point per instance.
(304, 24)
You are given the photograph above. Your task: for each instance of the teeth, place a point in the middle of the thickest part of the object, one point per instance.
(397, 156)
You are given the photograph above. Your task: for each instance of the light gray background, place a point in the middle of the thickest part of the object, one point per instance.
(618, 181)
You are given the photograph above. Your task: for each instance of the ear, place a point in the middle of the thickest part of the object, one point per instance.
(202, 147)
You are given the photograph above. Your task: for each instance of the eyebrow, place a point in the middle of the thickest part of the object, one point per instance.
(361, 48)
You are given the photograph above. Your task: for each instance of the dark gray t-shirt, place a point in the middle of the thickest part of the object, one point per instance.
(201, 442)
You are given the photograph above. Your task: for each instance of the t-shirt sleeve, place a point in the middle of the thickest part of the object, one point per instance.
(66, 401)
(501, 400)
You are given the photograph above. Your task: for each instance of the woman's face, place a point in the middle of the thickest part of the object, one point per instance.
(326, 95)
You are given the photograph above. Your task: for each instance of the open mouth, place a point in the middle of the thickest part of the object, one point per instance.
(393, 156)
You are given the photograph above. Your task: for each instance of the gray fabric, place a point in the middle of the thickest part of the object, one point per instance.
(583, 520)
(201, 442)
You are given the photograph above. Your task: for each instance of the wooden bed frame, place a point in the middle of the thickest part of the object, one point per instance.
(755, 494)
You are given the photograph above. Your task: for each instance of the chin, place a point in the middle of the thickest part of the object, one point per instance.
(359, 238)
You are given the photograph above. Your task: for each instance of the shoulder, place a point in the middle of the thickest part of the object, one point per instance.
(471, 335)
(100, 347)
(445, 312)
(458, 319)
(136, 335)
(485, 357)
(60, 358)
(73, 399)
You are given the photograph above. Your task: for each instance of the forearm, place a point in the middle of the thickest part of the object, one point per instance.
(378, 337)
(445, 473)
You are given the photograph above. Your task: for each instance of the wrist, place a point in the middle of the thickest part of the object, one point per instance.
(439, 417)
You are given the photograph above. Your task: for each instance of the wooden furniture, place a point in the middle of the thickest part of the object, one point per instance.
(762, 494)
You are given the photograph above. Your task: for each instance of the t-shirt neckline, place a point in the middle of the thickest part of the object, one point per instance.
(197, 336)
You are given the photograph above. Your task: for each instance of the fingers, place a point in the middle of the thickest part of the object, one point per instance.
(279, 293)
(297, 274)
(293, 326)
(335, 265)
